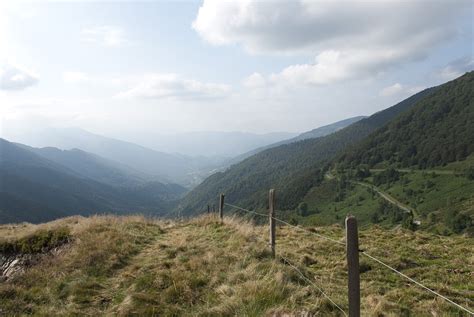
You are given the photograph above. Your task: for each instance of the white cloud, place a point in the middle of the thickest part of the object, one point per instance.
(349, 39)
(391, 90)
(157, 86)
(16, 78)
(107, 35)
(398, 89)
(256, 80)
(457, 68)
(75, 77)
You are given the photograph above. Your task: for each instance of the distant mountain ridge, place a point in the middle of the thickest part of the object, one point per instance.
(209, 144)
(165, 167)
(92, 166)
(34, 188)
(312, 134)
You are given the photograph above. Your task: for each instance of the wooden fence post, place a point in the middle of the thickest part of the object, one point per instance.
(352, 254)
(208, 209)
(221, 207)
(271, 214)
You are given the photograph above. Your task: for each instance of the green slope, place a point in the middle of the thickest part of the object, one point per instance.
(423, 163)
(437, 131)
(442, 203)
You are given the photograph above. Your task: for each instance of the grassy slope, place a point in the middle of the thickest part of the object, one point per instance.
(202, 268)
(429, 195)
(325, 210)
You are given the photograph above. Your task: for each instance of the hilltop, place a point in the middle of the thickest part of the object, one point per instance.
(203, 268)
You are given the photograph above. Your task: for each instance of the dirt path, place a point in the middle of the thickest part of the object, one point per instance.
(405, 170)
(387, 197)
(152, 255)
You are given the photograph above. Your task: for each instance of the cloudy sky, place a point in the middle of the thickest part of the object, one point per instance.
(257, 66)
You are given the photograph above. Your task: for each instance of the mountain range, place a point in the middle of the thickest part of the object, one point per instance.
(209, 143)
(292, 168)
(419, 151)
(101, 175)
(312, 134)
(42, 184)
(126, 178)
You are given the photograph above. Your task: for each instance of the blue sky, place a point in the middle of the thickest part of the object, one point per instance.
(166, 67)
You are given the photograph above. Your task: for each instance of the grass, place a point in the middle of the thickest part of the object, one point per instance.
(133, 266)
(40, 241)
(325, 209)
(434, 197)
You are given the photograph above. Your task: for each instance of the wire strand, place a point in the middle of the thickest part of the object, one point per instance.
(289, 224)
(311, 232)
(312, 283)
(416, 282)
(295, 268)
(246, 210)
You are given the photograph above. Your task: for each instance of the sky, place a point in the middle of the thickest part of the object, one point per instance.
(125, 68)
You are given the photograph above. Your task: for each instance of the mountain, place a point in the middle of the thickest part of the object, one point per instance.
(165, 167)
(209, 143)
(325, 130)
(416, 171)
(34, 188)
(92, 166)
(315, 133)
(437, 131)
(291, 168)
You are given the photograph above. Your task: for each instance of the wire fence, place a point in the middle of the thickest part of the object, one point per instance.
(307, 279)
(340, 243)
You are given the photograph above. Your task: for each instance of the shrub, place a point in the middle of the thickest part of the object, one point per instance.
(39, 241)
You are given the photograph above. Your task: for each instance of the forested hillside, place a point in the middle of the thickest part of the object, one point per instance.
(437, 131)
(292, 168)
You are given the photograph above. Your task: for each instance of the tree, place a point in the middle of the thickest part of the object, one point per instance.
(470, 173)
(303, 209)
(408, 221)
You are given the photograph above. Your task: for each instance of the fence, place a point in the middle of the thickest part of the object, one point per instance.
(351, 246)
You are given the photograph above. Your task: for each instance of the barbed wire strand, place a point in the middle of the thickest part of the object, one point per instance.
(417, 283)
(246, 210)
(312, 283)
(311, 232)
(288, 224)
